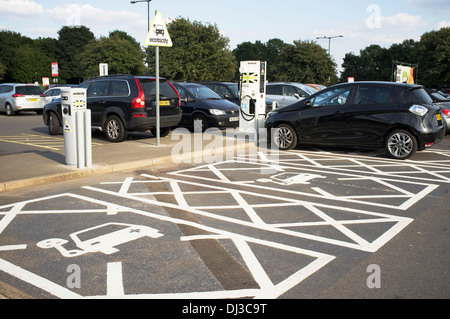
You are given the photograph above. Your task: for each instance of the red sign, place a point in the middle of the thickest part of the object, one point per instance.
(54, 69)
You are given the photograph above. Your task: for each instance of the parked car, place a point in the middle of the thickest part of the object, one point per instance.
(21, 97)
(445, 92)
(444, 103)
(398, 117)
(203, 108)
(287, 93)
(317, 86)
(230, 91)
(54, 93)
(123, 103)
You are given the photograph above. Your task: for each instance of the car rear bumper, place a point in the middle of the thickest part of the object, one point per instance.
(142, 124)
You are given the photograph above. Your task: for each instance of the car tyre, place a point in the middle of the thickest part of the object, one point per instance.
(54, 125)
(401, 144)
(199, 123)
(115, 130)
(9, 110)
(284, 137)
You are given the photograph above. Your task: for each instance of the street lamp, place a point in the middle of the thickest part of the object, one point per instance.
(148, 3)
(329, 41)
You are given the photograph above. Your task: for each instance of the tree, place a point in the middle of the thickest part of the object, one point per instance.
(71, 42)
(199, 53)
(269, 52)
(305, 62)
(121, 51)
(374, 63)
(434, 57)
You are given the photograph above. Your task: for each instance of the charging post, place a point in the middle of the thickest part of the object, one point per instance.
(77, 127)
(253, 97)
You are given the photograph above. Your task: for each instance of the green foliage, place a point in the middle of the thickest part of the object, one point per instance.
(122, 53)
(71, 42)
(431, 53)
(199, 53)
(434, 56)
(269, 52)
(305, 62)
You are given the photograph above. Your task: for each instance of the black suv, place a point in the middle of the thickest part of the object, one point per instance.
(122, 103)
(398, 117)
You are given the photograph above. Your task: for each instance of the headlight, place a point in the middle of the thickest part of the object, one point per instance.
(418, 109)
(216, 112)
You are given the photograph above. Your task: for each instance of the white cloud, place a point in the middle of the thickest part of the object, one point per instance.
(443, 24)
(89, 15)
(20, 8)
(403, 21)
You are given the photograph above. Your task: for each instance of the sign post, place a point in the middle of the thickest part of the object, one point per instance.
(158, 37)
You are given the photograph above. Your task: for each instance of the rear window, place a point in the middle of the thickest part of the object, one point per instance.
(29, 90)
(165, 89)
(419, 96)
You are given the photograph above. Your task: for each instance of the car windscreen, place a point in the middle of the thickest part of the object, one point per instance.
(165, 89)
(29, 90)
(203, 93)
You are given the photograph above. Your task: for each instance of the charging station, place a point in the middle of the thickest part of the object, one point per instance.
(252, 97)
(77, 127)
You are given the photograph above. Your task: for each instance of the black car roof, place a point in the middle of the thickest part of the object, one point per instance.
(127, 76)
(405, 85)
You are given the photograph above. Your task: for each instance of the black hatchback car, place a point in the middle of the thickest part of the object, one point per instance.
(123, 103)
(398, 117)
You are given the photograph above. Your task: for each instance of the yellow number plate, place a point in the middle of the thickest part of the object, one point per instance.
(164, 103)
(32, 100)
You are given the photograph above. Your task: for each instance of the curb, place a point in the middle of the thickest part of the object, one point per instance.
(114, 168)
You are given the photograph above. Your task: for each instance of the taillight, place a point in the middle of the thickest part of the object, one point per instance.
(446, 112)
(139, 102)
(18, 95)
(178, 93)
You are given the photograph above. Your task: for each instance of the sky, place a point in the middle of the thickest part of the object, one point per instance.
(361, 23)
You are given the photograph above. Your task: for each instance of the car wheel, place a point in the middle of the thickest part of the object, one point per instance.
(199, 123)
(401, 144)
(9, 110)
(284, 137)
(115, 130)
(54, 125)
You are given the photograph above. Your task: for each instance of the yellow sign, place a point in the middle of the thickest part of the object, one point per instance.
(158, 35)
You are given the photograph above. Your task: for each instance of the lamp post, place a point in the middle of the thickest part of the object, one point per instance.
(148, 4)
(329, 41)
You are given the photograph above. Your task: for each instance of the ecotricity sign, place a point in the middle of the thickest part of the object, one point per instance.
(158, 34)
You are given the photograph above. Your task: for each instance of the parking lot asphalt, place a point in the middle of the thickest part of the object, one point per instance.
(45, 166)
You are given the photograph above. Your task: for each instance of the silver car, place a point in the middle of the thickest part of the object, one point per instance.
(287, 93)
(21, 97)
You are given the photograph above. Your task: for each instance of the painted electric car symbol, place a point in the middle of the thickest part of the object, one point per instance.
(103, 238)
(290, 178)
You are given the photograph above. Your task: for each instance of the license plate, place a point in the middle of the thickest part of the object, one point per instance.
(234, 119)
(32, 100)
(439, 117)
(163, 103)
